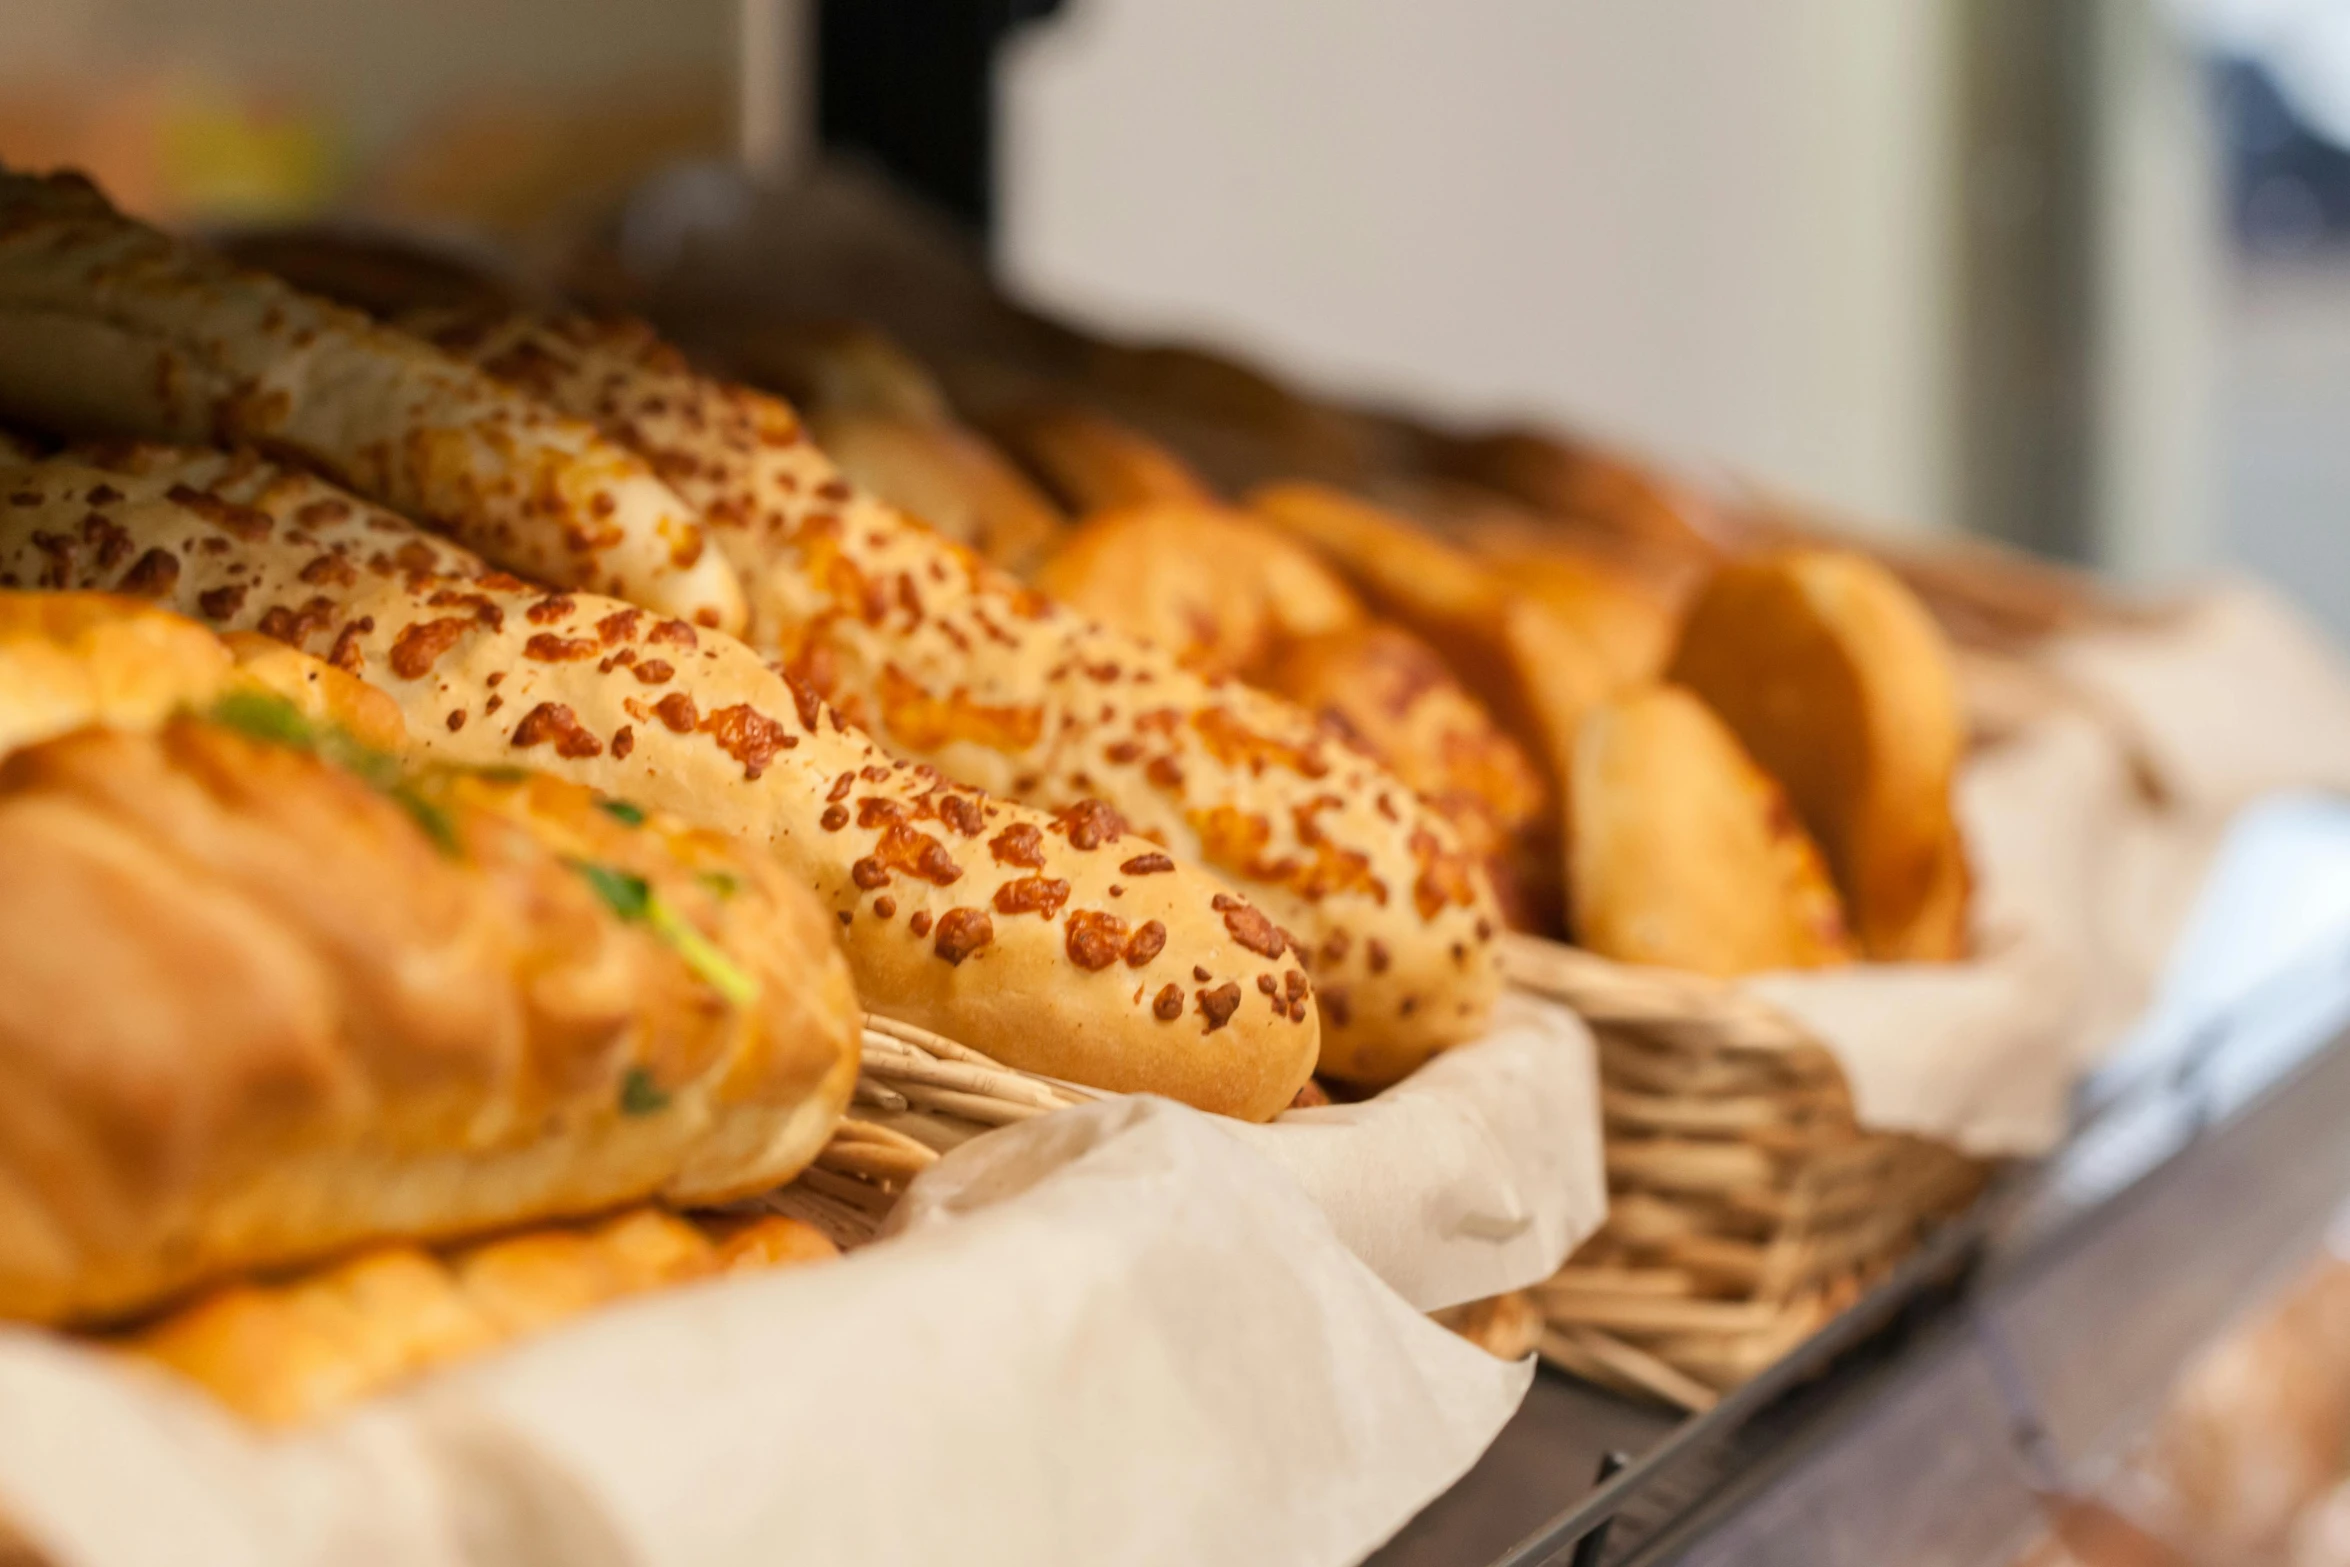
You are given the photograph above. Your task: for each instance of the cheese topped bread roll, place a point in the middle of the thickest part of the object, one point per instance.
(950, 662)
(264, 995)
(110, 327)
(1066, 944)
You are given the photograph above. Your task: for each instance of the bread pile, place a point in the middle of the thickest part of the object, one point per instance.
(464, 774)
(1677, 740)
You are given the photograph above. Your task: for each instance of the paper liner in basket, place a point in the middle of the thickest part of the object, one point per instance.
(1776, 1143)
(1474, 1176)
(1118, 1334)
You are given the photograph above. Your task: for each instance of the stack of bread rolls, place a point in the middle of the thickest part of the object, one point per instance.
(1679, 743)
(471, 770)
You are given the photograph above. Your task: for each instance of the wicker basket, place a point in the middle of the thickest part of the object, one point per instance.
(1746, 1204)
(918, 1095)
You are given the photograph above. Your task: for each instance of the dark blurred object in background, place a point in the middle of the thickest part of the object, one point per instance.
(911, 85)
(2288, 188)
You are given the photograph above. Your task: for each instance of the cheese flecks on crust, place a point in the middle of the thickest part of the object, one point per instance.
(108, 327)
(1020, 932)
(949, 661)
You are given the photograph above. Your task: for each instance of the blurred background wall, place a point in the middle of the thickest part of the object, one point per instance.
(2074, 273)
(1718, 228)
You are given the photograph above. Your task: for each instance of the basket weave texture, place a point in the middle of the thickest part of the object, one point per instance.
(1746, 1203)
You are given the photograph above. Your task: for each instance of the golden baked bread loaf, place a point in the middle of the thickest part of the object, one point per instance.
(944, 475)
(257, 1005)
(1222, 592)
(72, 659)
(949, 662)
(1061, 943)
(109, 327)
(1537, 672)
(1389, 693)
(1681, 853)
(1091, 462)
(286, 1353)
(1838, 683)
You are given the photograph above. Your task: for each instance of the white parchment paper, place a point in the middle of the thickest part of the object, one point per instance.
(1128, 1333)
(2084, 873)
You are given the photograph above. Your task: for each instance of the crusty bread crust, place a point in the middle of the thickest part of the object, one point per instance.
(1838, 682)
(254, 1008)
(949, 478)
(1681, 853)
(949, 662)
(1064, 944)
(283, 1354)
(71, 659)
(110, 327)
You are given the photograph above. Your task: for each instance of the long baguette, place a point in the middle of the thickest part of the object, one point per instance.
(1063, 944)
(110, 327)
(951, 662)
(261, 1000)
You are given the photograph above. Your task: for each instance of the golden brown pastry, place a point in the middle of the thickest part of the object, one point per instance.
(1061, 943)
(953, 664)
(70, 659)
(1682, 854)
(1224, 593)
(1628, 625)
(283, 1354)
(262, 996)
(1537, 673)
(1838, 683)
(1389, 693)
(109, 327)
(1092, 463)
(944, 475)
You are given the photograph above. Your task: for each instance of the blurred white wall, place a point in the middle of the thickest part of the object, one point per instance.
(1714, 227)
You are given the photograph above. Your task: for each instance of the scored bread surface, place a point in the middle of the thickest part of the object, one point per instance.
(255, 1008)
(1065, 944)
(948, 661)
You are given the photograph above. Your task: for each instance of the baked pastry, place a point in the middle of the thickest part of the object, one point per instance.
(1837, 682)
(1626, 622)
(958, 666)
(1388, 693)
(840, 367)
(1222, 592)
(263, 997)
(944, 475)
(286, 1353)
(1536, 672)
(110, 327)
(1682, 854)
(1092, 463)
(1065, 944)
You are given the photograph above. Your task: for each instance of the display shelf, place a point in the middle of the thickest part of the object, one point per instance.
(2024, 1346)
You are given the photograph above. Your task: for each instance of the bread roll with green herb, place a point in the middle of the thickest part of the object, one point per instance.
(1066, 944)
(265, 995)
(949, 662)
(109, 327)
